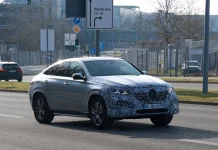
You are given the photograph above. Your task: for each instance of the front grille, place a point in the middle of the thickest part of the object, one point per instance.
(143, 96)
(162, 110)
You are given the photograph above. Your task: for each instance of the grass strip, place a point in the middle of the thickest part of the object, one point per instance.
(183, 94)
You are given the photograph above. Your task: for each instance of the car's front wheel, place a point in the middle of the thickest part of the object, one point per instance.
(41, 110)
(161, 120)
(98, 114)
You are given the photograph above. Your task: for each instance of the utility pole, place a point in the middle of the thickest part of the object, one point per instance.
(206, 47)
(17, 24)
(97, 40)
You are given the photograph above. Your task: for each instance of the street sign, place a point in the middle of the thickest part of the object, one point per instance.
(99, 14)
(93, 51)
(102, 46)
(47, 40)
(76, 20)
(69, 39)
(76, 29)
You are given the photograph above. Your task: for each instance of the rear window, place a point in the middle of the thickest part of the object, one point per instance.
(10, 66)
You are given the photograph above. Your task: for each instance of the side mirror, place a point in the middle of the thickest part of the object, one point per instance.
(78, 76)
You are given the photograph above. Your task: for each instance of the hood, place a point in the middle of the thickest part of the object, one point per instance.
(133, 81)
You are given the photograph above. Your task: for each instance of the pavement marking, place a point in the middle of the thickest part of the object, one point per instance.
(11, 116)
(9, 101)
(199, 142)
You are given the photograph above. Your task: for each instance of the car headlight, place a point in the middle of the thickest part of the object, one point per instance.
(120, 91)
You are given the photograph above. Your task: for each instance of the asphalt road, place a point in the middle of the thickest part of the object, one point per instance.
(195, 128)
(198, 86)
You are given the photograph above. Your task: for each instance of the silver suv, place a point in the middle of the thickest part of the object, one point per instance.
(103, 89)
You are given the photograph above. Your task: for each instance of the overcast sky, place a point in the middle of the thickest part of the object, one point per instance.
(147, 6)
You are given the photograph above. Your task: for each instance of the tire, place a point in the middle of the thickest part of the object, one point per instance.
(6, 80)
(161, 120)
(19, 80)
(98, 114)
(41, 110)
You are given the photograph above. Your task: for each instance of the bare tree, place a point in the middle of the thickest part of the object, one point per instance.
(123, 23)
(191, 24)
(142, 25)
(166, 20)
(31, 19)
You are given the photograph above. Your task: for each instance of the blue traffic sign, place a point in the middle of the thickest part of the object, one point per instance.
(92, 51)
(101, 45)
(76, 20)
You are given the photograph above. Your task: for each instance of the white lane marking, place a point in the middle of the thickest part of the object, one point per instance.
(199, 142)
(11, 116)
(9, 101)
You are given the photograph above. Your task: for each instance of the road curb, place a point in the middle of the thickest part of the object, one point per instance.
(14, 91)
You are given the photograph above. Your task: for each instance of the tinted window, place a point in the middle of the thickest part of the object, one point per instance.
(10, 66)
(111, 67)
(60, 70)
(47, 72)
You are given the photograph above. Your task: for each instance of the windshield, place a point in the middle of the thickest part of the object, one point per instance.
(110, 68)
(193, 64)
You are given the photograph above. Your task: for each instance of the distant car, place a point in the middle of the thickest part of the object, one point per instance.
(194, 67)
(103, 89)
(10, 71)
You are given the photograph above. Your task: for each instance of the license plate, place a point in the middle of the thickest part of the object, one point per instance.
(12, 71)
(152, 106)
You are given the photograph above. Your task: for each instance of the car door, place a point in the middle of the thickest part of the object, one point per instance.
(55, 85)
(76, 90)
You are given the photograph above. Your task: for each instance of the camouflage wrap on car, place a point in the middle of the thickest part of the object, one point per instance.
(125, 101)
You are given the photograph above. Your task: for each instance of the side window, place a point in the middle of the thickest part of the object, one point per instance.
(61, 70)
(47, 72)
(76, 68)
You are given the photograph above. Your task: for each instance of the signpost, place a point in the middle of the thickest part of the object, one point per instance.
(99, 15)
(69, 39)
(76, 29)
(93, 51)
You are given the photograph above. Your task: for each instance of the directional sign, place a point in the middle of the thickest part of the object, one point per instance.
(76, 20)
(76, 29)
(92, 51)
(99, 14)
(101, 45)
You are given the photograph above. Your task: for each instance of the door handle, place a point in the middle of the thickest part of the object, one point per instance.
(66, 83)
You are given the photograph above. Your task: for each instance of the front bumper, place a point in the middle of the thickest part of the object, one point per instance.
(129, 107)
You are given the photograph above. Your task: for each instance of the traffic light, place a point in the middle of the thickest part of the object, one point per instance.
(77, 43)
(84, 49)
(29, 2)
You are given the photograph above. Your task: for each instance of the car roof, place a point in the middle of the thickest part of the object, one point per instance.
(4, 63)
(83, 59)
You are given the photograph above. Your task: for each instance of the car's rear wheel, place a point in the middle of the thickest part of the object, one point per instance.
(41, 110)
(161, 120)
(98, 114)
(19, 80)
